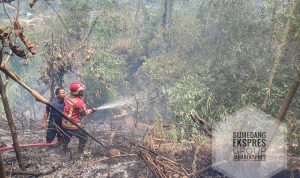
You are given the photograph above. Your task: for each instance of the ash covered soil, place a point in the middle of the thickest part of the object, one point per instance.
(121, 159)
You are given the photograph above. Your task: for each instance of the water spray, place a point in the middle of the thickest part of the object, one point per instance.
(115, 104)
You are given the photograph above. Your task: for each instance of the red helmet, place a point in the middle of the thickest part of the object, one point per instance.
(76, 87)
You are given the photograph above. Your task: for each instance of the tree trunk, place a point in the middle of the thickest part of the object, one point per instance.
(168, 10)
(285, 106)
(51, 68)
(287, 101)
(2, 168)
(279, 52)
(137, 12)
(283, 41)
(165, 16)
(171, 11)
(52, 83)
(11, 124)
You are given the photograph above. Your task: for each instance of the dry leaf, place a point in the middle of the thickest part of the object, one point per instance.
(25, 62)
(18, 51)
(2, 30)
(28, 44)
(19, 33)
(5, 39)
(59, 56)
(32, 3)
(17, 27)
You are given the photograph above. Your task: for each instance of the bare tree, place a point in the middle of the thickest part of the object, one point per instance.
(11, 123)
(168, 8)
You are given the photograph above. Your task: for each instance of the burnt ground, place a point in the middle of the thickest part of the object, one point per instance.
(120, 134)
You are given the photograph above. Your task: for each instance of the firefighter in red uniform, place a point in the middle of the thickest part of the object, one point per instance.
(75, 108)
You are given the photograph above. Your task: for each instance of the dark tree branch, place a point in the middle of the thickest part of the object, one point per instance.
(59, 17)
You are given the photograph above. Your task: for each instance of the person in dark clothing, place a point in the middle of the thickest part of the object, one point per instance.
(55, 118)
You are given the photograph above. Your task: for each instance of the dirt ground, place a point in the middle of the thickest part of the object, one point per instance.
(115, 134)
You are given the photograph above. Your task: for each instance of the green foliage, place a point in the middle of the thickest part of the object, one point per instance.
(103, 75)
(218, 60)
(107, 66)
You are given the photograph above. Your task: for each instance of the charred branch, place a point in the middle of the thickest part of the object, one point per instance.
(203, 125)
